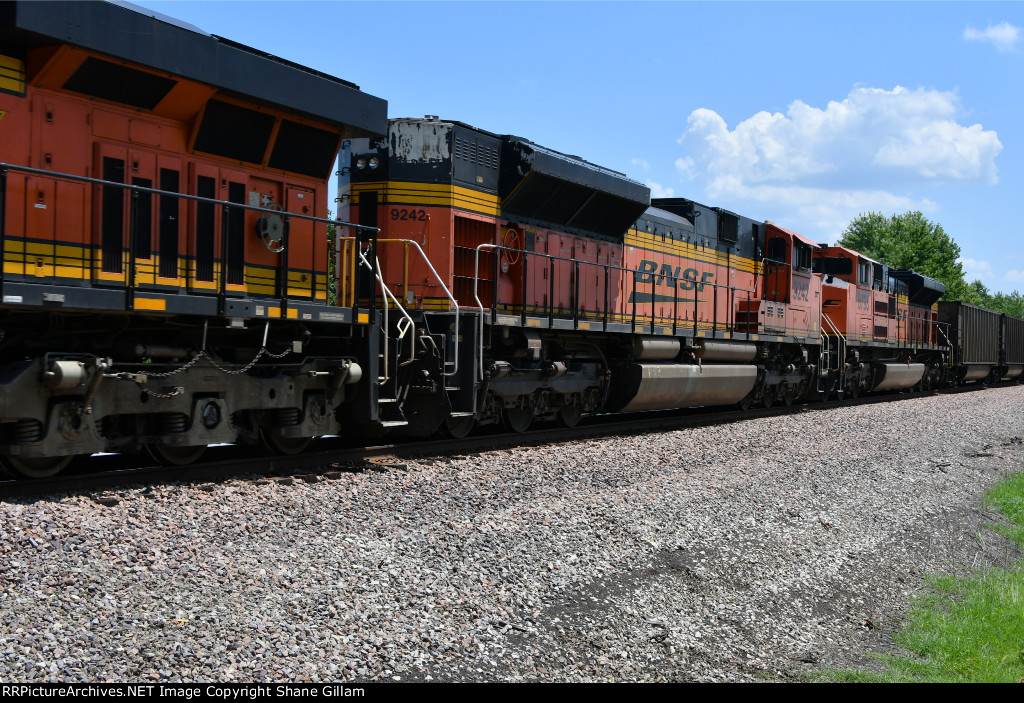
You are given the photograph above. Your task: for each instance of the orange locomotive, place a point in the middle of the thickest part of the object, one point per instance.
(164, 239)
(570, 293)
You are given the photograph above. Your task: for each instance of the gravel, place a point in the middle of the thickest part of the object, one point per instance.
(763, 549)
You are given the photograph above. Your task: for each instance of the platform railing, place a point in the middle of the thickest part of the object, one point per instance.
(226, 207)
(636, 289)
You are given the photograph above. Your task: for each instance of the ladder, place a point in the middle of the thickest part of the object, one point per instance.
(833, 354)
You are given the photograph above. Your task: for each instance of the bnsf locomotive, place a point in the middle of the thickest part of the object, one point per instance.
(171, 278)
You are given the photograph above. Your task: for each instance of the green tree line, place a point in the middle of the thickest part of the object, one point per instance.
(911, 241)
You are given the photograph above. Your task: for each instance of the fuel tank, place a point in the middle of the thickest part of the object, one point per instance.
(639, 387)
(896, 375)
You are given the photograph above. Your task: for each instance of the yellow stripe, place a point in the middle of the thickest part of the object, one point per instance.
(648, 241)
(11, 62)
(12, 74)
(431, 194)
(150, 304)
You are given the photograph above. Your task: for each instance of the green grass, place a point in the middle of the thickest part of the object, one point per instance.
(969, 629)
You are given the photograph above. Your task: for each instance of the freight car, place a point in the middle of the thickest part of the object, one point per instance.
(171, 278)
(985, 345)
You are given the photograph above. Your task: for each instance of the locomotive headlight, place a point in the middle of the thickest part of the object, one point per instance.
(374, 162)
(361, 163)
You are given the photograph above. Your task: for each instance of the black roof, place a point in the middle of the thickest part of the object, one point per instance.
(159, 42)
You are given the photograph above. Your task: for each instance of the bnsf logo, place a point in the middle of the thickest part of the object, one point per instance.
(647, 272)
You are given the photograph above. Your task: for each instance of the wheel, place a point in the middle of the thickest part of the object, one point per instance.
(457, 427)
(37, 467)
(516, 419)
(284, 445)
(569, 415)
(788, 394)
(175, 456)
(768, 397)
(855, 389)
(839, 393)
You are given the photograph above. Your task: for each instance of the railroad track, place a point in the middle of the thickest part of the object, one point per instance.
(333, 455)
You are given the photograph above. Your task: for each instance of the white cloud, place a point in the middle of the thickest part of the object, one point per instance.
(825, 166)
(976, 270)
(1002, 36)
(642, 163)
(657, 191)
(1014, 276)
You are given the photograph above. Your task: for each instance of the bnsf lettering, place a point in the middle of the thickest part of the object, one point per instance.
(649, 272)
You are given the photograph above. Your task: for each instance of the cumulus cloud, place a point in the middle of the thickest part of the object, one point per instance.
(642, 163)
(975, 269)
(658, 191)
(1002, 36)
(830, 164)
(1014, 276)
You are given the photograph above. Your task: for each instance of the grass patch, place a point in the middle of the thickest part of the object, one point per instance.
(969, 629)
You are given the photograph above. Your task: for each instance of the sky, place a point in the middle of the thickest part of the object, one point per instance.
(803, 113)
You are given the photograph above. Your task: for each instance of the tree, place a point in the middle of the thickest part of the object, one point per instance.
(910, 241)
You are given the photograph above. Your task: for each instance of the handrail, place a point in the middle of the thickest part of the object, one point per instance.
(633, 273)
(440, 281)
(835, 332)
(401, 330)
(185, 196)
(476, 296)
(224, 204)
(627, 272)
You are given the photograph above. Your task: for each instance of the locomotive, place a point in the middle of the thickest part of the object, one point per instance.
(172, 279)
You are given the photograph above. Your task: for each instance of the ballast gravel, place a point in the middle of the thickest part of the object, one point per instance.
(757, 550)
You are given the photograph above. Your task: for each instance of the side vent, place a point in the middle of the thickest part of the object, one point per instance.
(728, 227)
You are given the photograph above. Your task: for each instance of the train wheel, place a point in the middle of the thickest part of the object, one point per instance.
(175, 456)
(768, 396)
(517, 419)
(788, 394)
(854, 390)
(569, 415)
(285, 445)
(458, 427)
(839, 393)
(37, 467)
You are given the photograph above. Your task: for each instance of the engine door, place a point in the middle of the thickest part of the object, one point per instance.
(299, 258)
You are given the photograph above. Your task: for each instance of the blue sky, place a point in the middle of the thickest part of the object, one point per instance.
(803, 113)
